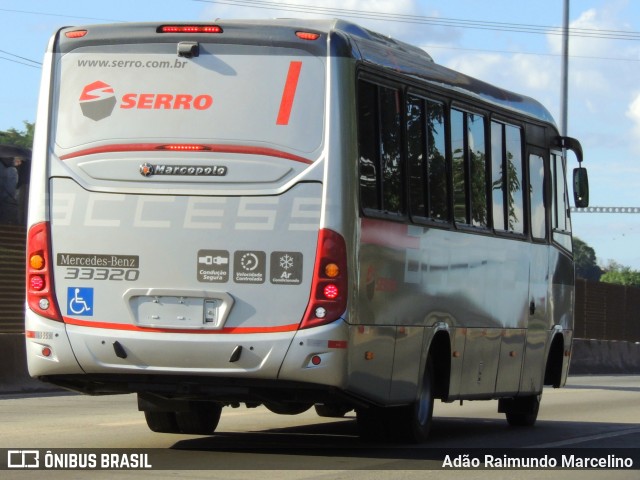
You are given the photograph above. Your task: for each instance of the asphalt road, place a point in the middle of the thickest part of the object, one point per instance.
(591, 412)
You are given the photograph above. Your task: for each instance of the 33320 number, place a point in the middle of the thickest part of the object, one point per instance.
(112, 274)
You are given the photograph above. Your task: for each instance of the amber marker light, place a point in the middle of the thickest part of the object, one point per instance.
(37, 262)
(332, 270)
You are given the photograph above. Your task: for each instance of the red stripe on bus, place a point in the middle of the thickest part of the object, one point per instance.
(149, 147)
(134, 328)
(289, 93)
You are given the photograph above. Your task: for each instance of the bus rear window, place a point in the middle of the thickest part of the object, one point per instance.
(229, 93)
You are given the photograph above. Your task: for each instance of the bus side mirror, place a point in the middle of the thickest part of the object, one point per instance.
(580, 187)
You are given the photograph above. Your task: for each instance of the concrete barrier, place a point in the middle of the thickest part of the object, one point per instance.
(590, 357)
(597, 357)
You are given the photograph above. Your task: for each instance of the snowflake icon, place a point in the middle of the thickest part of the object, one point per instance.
(286, 262)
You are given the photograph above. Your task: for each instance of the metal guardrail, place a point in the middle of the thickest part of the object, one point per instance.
(606, 210)
(607, 312)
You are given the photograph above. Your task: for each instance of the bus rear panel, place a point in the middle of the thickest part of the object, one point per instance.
(178, 209)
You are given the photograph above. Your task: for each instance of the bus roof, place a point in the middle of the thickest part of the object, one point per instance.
(365, 45)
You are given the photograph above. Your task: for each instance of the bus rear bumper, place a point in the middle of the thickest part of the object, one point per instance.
(96, 360)
(48, 348)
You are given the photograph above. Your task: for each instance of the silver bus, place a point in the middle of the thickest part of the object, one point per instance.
(293, 214)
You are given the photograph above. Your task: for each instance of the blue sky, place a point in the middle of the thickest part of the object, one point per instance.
(509, 43)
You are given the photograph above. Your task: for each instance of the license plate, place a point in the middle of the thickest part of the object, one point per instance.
(179, 309)
(177, 312)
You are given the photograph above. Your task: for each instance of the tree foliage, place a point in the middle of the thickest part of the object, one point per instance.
(18, 138)
(585, 260)
(621, 275)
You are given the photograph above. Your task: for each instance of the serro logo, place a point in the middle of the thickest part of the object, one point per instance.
(166, 101)
(97, 100)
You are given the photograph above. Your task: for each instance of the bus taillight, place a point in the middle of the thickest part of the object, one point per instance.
(329, 285)
(40, 297)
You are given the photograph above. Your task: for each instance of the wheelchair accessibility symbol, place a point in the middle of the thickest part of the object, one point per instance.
(79, 301)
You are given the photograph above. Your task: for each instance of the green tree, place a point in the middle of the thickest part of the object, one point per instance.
(18, 138)
(585, 260)
(621, 275)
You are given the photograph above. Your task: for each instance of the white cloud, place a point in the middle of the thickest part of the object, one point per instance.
(361, 12)
(633, 113)
(526, 74)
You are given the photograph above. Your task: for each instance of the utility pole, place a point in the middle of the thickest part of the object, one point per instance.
(565, 70)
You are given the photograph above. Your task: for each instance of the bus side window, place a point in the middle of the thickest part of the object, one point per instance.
(561, 221)
(515, 192)
(477, 169)
(460, 206)
(367, 145)
(416, 156)
(507, 178)
(427, 161)
(536, 195)
(497, 176)
(380, 149)
(437, 163)
(391, 150)
(469, 169)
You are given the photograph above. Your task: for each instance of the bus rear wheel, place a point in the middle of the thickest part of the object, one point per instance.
(282, 408)
(521, 411)
(200, 419)
(161, 422)
(332, 410)
(410, 423)
(414, 422)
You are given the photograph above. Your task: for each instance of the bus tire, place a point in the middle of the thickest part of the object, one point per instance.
(332, 410)
(288, 408)
(414, 422)
(200, 419)
(162, 422)
(410, 423)
(521, 411)
(373, 423)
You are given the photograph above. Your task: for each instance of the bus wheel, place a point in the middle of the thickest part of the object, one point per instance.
(161, 422)
(410, 423)
(373, 423)
(200, 419)
(288, 408)
(414, 422)
(332, 410)
(521, 411)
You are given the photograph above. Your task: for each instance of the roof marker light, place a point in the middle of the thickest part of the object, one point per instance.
(308, 35)
(75, 34)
